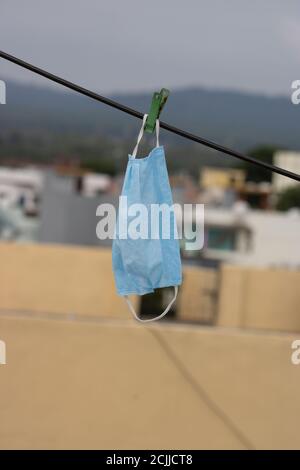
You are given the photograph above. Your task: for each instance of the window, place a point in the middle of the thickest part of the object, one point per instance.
(221, 238)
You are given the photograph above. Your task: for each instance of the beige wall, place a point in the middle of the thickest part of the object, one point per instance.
(86, 381)
(58, 279)
(76, 280)
(241, 297)
(101, 384)
(259, 298)
(197, 299)
(222, 177)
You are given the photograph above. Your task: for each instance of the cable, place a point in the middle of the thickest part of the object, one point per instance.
(204, 396)
(137, 114)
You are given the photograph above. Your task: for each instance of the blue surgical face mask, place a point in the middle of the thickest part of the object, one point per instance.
(153, 260)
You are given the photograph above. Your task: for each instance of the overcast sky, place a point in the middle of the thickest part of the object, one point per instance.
(134, 45)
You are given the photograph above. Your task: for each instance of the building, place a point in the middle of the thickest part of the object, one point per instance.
(222, 178)
(289, 161)
(20, 185)
(250, 237)
(67, 215)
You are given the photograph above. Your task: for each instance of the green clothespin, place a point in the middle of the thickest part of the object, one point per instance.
(158, 102)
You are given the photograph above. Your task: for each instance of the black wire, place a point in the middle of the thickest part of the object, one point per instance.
(137, 114)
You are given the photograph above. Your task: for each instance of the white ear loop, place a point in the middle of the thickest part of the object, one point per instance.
(139, 136)
(157, 132)
(155, 318)
(141, 133)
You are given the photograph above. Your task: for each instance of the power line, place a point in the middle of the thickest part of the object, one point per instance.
(139, 115)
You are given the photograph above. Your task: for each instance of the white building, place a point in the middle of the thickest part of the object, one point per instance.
(251, 237)
(17, 183)
(289, 161)
(95, 184)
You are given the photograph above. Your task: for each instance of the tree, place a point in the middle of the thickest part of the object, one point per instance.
(255, 173)
(99, 165)
(289, 198)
